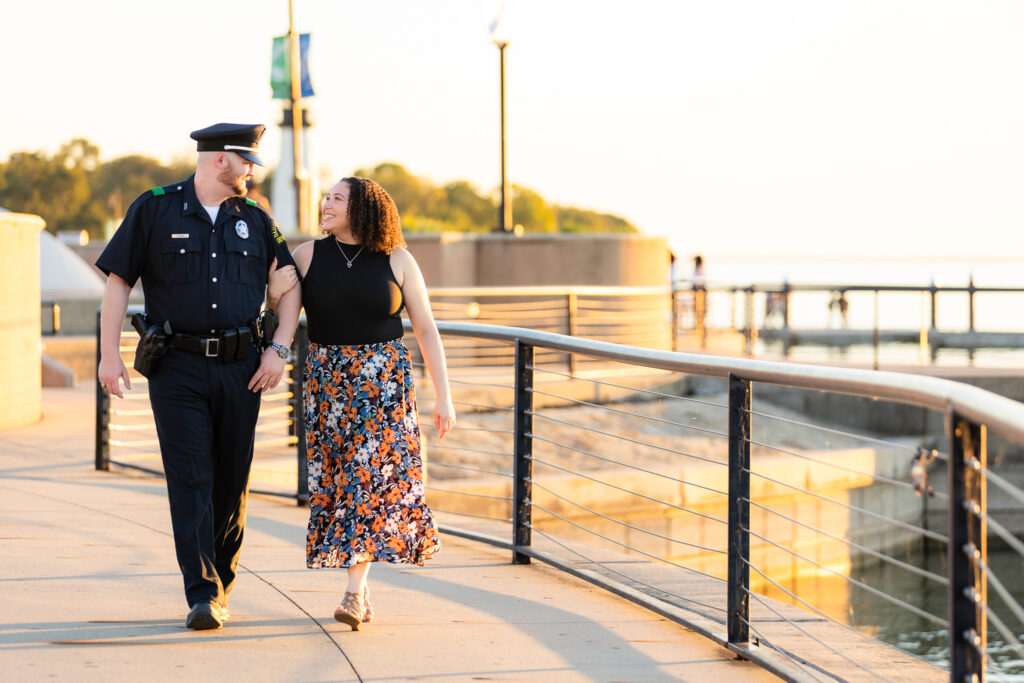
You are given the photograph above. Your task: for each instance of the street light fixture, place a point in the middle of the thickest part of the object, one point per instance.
(505, 211)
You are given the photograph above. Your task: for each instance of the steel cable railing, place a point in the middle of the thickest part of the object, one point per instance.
(632, 579)
(638, 442)
(636, 415)
(569, 468)
(931, 576)
(127, 437)
(625, 524)
(541, 461)
(853, 508)
(625, 546)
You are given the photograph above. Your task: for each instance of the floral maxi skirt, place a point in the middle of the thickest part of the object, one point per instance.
(363, 452)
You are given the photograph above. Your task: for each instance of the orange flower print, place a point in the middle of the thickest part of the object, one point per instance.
(363, 451)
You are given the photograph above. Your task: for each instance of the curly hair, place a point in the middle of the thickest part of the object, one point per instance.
(373, 216)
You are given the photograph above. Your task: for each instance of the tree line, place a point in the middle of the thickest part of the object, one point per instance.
(73, 190)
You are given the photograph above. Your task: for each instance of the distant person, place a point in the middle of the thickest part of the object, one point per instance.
(841, 306)
(698, 270)
(775, 308)
(362, 431)
(700, 305)
(202, 253)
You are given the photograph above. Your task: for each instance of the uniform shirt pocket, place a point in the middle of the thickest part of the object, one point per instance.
(181, 258)
(245, 264)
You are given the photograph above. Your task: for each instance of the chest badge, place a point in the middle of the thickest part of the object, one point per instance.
(242, 228)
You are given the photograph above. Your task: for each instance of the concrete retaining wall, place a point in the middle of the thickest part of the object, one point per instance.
(21, 360)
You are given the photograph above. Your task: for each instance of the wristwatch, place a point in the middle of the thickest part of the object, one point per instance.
(281, 349)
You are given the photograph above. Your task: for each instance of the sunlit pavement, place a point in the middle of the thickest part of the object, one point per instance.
(91, 591)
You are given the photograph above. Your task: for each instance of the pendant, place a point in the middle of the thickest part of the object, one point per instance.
(348, 265)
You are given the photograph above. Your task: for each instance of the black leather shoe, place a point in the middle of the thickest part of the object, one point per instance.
(203, 616)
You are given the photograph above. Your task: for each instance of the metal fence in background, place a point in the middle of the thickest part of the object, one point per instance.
(946, 316)
(714, 510)
(126, 433)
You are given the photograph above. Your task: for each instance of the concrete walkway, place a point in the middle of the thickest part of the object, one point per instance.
(91, 592)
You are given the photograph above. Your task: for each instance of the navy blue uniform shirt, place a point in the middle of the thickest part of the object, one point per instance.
(203, 277)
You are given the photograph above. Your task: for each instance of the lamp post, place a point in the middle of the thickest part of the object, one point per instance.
(298, 120)
(505, 211)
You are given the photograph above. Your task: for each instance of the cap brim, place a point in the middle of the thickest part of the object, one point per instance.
(249, 156)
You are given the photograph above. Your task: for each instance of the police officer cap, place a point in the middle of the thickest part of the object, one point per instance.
(240, 138)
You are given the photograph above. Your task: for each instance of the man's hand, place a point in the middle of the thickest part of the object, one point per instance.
(111, 370)
(269, 372)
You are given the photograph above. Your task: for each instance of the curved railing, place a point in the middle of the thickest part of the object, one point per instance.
(697, 499)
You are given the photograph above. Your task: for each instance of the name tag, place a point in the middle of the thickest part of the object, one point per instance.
(179, 235)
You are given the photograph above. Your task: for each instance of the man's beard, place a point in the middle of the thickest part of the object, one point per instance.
(234, 182)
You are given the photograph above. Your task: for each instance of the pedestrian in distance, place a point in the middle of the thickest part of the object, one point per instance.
(841, 305)
(362, 432)
(203, 253)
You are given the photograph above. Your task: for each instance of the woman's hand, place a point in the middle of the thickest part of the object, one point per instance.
(280, 281)
(444, 417)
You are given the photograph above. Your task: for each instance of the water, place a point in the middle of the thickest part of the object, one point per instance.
(911, 633)
(994, 312)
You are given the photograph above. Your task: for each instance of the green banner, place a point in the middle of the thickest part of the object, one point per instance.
(280, 67)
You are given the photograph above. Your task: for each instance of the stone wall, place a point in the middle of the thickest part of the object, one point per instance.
(459, 259)
(21, 361)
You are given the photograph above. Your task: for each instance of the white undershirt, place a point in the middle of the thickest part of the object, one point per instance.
(212, 210)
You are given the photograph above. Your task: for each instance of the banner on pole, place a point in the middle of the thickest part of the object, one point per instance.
(280, 68)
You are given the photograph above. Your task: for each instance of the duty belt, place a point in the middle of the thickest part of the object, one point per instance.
(226, 346)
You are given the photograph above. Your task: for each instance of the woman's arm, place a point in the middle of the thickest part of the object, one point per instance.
(281, 280)
(414, 291)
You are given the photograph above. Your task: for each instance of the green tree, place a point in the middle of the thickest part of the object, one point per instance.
(571, 219)
(74, 190)
(467, 209)
(55, 188)
(117, 183)
(531, 211)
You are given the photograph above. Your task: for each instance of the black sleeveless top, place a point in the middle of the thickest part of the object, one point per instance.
(357, 305)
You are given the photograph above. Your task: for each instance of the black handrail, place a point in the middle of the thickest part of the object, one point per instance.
(970, 413)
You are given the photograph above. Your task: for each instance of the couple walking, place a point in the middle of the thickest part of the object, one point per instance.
(203, 252)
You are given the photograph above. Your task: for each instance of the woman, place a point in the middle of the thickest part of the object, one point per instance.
(362, 436)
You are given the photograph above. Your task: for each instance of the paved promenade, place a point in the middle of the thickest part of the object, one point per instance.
(91, 592)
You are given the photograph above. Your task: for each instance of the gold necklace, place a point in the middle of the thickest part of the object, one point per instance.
(348, 261)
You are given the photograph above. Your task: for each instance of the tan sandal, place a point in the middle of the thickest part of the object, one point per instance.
(351, 610)
(368, 616)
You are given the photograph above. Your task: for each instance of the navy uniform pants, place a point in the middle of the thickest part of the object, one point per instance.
(205, 420)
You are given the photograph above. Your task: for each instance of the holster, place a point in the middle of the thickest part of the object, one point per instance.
(266, 327)
(152, 345)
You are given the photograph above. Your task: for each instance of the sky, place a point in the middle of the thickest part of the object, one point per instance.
(879, 129)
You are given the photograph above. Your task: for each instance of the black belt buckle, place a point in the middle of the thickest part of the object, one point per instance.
(213, 342)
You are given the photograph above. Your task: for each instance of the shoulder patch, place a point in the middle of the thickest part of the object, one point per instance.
(276, 232)
(160, 191)
(251, 202)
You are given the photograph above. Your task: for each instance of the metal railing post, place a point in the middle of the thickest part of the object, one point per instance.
(933, 290)
(102, 411)
(674, 304)
(877, 337)
(786, 292)
(700, 310)
(522, 488)
(971, 289)
(738, 586)
(571, 322)
(967, 583)
(751, 325)
(300, 348)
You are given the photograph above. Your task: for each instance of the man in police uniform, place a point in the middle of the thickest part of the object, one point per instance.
(203, 253)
